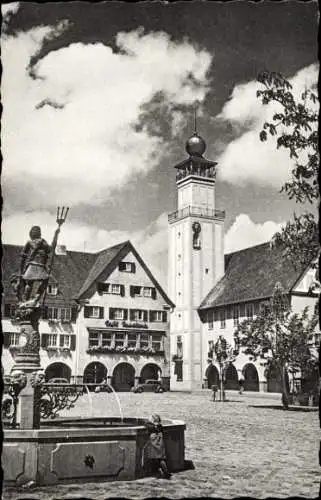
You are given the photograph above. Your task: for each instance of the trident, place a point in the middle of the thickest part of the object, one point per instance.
(61, 217)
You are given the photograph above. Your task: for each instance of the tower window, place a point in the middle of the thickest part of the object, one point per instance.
(206, 270)
(179, 256)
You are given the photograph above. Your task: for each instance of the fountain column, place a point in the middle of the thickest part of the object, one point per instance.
(27, 361)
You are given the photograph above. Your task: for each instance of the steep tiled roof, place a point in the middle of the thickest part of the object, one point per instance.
(75, 272)
(69, 271)
(252, 274)
(103, 260)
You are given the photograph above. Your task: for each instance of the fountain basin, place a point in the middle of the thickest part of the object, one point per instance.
(85, 449)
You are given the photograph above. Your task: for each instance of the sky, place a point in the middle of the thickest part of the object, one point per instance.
(98, 102)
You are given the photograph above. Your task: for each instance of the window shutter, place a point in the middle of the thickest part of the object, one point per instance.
(87, 311)
(132, 291)
(154, 293)
(125, 314)
(72, 342)
(256, 308)
(216, 315)
(44, 338)
(131, 312)
(122, 290)
(151, 316)
(101, 312)
(133, 266)
(44, 312)
(164, 317)
(6, 339)
(61, 341)
(7, 310)
(100, 288)
(145, 316)
(111, 312)
(74, 314)
(122, 266)
(242, 310)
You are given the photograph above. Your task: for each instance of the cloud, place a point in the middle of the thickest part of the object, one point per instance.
(246, 159)
(69, 121)
(245, 233)
(9, 9)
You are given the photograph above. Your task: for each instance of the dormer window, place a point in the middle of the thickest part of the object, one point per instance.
(127, 267)
(52, 289)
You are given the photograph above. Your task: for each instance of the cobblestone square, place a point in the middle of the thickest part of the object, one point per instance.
(247, 446)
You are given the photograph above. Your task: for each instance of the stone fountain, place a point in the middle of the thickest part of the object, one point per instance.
(39, 447)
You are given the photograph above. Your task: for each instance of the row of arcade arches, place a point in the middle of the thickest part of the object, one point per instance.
(251, 378)
(123, 375)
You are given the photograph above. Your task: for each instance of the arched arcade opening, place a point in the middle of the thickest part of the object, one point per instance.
(212, 375)
(95, 373)
(150, 371)
(231, 378)
(251, 378)
(57, 370)
(123, 377)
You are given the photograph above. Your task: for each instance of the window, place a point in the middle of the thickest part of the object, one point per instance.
(106, 339)
(249, 310)
(210, 320)
(127, 267)
(115, 289)
(144, 340)
(179, 346)
(93, 339)
(131, 340)
(65, 341)
(59, 313)
(14, 339)
(157, 343)
(52, 340)
(119, 339)
(52, 289)
(157, 316)
(138, 315)
(119, 314)
(93, 312)
(236, 315)
(148, 291)
(9, 310)
(222, 319)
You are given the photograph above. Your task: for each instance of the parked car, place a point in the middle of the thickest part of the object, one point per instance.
(58, 381)
(149, 386)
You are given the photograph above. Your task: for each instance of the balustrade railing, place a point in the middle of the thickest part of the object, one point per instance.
(207, 213)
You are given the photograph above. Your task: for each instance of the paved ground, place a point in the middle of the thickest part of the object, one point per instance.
(245, 447)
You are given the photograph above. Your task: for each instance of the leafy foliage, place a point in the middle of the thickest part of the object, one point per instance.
(279, 338)
(295, 129)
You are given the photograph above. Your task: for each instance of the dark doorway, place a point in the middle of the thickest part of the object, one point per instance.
(150, 371)
(231, 378)
(95, 373)
(123, 377)
(57, 370)
(251, 378)
(212, 376)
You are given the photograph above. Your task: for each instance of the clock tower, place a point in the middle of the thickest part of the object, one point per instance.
(196, 262)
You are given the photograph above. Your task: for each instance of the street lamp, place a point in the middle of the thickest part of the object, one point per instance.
(220, 349)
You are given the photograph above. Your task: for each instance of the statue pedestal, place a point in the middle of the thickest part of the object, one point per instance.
(28, 362)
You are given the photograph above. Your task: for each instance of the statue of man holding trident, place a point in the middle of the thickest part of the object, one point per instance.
(33, 275)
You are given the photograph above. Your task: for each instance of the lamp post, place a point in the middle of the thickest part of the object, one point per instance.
(221, 355)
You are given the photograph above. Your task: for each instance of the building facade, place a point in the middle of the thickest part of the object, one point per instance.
(105, 318)
(213, 292)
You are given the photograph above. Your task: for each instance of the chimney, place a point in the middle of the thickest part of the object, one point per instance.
(61, 250)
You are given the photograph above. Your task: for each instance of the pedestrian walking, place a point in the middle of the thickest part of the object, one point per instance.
(154, 454)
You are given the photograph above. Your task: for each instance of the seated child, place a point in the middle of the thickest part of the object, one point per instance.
(154, 455)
